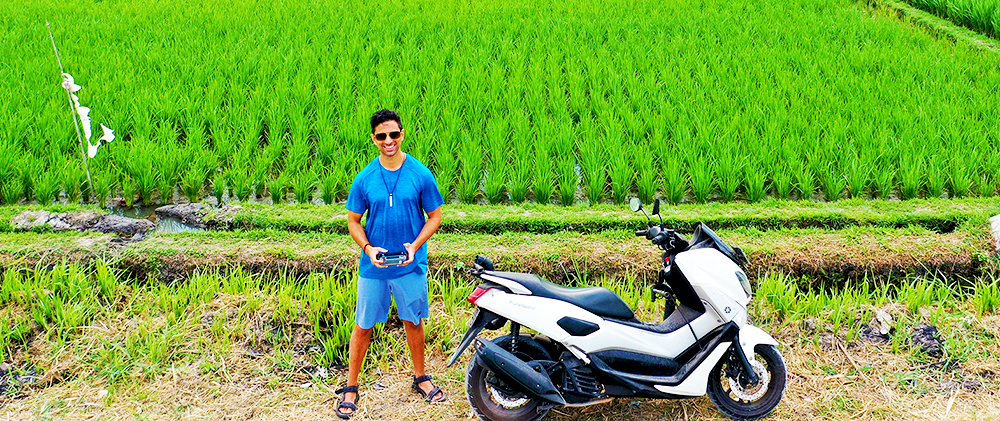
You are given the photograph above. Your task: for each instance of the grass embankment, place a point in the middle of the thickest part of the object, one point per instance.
(981, 16)
(833, 255)
(224, 345)
(942, 215)
(935, 214)
(840, 240)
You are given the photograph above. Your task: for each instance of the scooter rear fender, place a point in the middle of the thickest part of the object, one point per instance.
(483, 318)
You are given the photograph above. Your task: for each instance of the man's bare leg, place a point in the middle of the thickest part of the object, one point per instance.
(360, 339)
(415, 340)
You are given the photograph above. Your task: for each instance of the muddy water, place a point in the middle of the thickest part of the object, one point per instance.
(163, 224)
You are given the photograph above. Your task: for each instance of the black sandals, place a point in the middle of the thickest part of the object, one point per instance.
(429, 397)
(343, 404)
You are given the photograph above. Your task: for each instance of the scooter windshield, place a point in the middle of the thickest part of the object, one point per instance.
(704, 237)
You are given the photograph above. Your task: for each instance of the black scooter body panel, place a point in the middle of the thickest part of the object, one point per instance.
(642, 384)
(517, 373)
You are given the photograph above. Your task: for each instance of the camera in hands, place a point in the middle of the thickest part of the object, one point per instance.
(392, 259)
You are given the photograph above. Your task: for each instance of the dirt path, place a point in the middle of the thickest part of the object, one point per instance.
(822, 383)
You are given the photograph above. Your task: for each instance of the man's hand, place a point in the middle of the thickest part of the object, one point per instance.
(373, 253)
(410, 252)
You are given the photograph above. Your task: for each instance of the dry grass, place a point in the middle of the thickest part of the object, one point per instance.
(822, 384)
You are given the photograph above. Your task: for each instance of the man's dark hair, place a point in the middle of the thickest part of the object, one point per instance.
(383, 115)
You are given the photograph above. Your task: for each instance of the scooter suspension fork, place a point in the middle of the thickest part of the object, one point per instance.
(740, 357)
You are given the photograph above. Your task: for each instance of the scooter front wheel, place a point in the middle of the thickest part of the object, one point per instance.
(493, 400)
(754, 401)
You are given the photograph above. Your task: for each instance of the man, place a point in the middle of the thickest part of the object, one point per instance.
(395, 190)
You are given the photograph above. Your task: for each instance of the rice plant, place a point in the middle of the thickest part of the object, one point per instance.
(47, 186)
(592, 163)
(934, 178)
(728, 171)
(74, 179)
(499, 161)
(542, 175)
(675, 182)
(883, 181)
(702, 179)
(910, 177)
(805, 181)
(103, 184)
(857, 173)
(959, 179)
(331, 186)
(192, 183)
(755, 182)
(568, 179)
(622, 171)
(239, 183)
(304, 186)
(647, 177)
(832, 183)
(129, 190)
(277, 187)
(299, 120)
(471, 159)
(218, 188)
(11, 191)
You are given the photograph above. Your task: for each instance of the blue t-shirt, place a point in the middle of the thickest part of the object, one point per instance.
(414, 193)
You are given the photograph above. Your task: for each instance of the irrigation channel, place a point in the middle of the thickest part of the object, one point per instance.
(164, 224)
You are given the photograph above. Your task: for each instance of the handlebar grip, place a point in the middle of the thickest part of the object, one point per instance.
(640, 233)
(660, 238)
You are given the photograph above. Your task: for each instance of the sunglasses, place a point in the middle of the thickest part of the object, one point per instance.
(393, 135)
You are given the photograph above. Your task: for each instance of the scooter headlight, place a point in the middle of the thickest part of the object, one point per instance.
(745, 282)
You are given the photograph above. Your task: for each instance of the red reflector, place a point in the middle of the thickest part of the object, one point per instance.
(476, 294)
(666, 259)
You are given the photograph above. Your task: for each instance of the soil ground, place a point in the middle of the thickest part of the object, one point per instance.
(822, 383)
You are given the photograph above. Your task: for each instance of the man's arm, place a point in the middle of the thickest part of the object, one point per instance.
(430, 227)
(358, 234)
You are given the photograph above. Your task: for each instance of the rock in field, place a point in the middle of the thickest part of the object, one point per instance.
(188, 213)
(926, 337)
(81, 221)
(114, 224)
(29, 220)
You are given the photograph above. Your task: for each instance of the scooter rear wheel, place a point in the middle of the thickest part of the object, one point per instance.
(491, 399)
(755, 401)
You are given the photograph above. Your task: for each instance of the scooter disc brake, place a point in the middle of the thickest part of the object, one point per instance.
(501, 398)
(755, 391)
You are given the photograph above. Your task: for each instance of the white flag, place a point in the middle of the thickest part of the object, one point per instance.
(84, 112)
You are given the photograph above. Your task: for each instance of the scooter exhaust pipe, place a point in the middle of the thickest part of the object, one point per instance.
(513, 371)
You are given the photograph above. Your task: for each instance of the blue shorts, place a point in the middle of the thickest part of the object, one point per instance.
(409, 291)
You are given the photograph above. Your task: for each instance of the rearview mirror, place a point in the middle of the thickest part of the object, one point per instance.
(635, 204)
(656, 207)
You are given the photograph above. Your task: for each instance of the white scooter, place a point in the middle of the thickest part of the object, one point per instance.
(590, 348)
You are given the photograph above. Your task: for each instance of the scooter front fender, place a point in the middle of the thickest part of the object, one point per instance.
(751, 336)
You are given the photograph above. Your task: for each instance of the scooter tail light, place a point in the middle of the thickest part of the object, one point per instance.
(476, 294)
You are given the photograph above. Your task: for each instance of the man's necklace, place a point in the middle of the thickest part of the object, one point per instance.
(382, 173)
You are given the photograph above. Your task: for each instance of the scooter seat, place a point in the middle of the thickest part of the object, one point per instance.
(598, 300)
